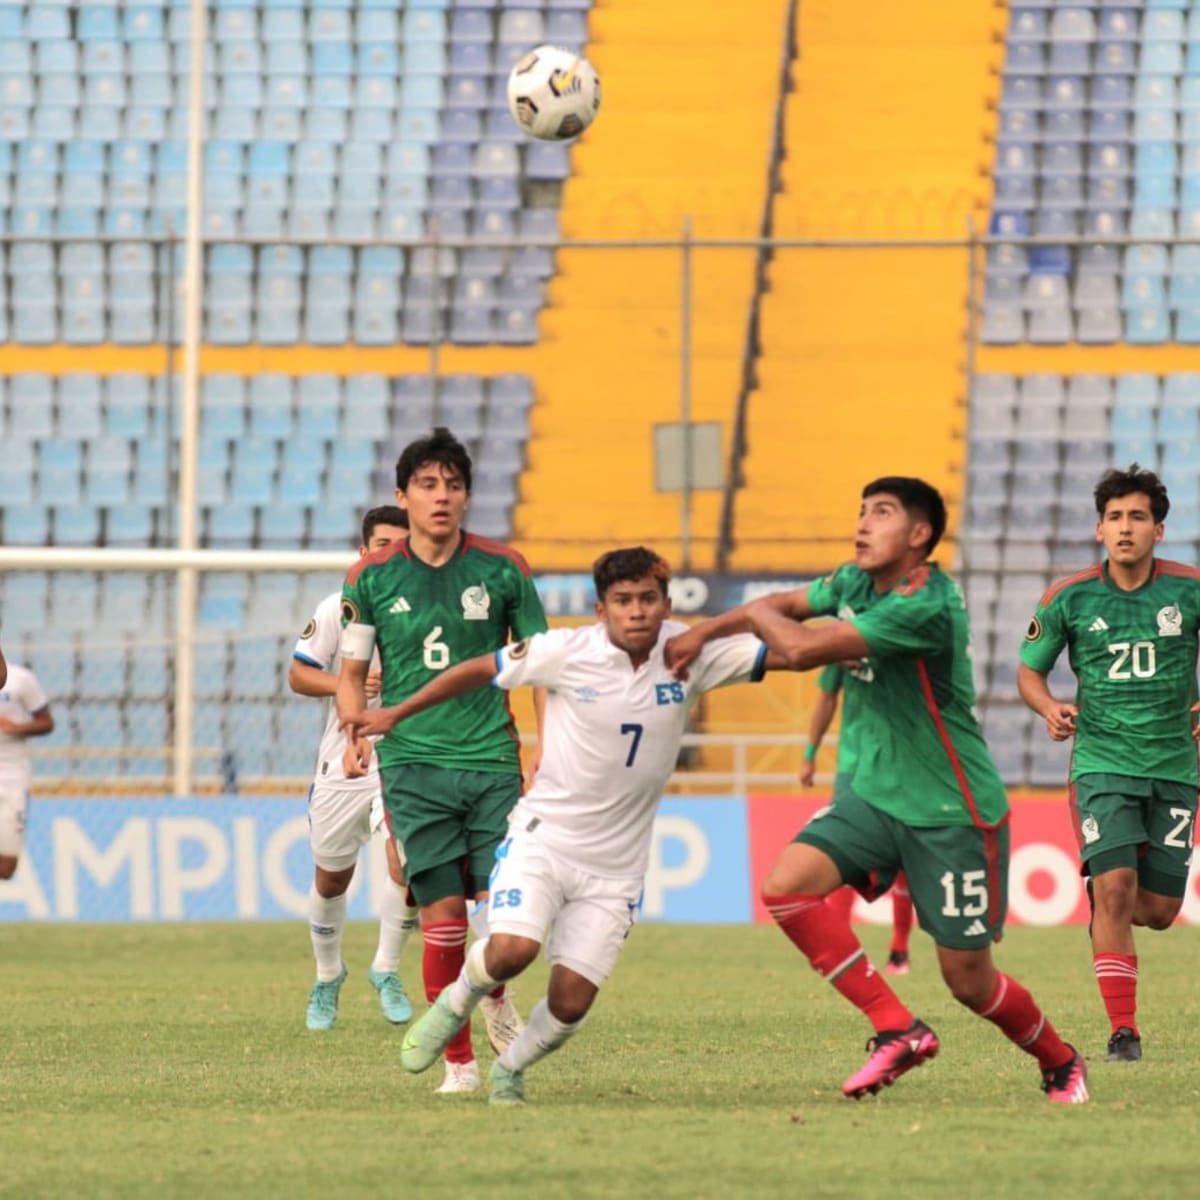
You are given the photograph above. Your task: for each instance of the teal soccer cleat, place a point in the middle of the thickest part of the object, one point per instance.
(393, 999)
(323, 1002)
(424, 1042)
(508, 1087)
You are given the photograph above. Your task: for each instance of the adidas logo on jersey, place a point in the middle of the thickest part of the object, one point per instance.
(1099, 625)
(976, 929)
(400, 606)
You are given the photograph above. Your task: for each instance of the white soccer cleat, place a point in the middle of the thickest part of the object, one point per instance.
(460, 1077)
(503, 1021)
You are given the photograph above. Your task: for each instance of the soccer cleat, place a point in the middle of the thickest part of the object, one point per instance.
(323, 1002)
(1067, 1084)
(460, 1077)
(424, 1042)
(393, 999)
(508, 1087)
(892, 1053)
(503, 1021)
(897, 963)
(1124, 1046)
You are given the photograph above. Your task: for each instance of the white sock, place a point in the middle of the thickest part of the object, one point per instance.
(326, 919)
(396, 923)
(473, 982)
(542, 1035)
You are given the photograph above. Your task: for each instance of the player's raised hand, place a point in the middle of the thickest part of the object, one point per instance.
(372, 722)
(1060, 720)
(808, 772)
(681, 651)
(356, 761)
(373, 684)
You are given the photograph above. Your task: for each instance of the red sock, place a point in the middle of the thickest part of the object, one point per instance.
(902, 915)
(1018, 1017)
(445, 951)
(1117, 975)
(826, 940)
(842, 901)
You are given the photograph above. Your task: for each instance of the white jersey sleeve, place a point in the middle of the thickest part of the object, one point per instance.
(318, 643)
(738, 659)
(30, 693)
(537, 661)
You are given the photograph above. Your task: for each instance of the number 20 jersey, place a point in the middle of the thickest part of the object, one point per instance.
(1134, 656)
(429, 618)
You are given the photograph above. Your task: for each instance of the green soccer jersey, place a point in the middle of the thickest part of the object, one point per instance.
(918, 751)
(1134, 657)
(832, 680)
(429, 618)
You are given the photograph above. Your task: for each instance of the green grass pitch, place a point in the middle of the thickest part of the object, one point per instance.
(172, 1061)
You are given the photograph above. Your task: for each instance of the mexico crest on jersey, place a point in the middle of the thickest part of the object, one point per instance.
(1090, 828)
(476, 602)
(1170, 621)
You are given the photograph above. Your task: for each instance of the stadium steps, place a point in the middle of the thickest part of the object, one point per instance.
(668, 144)
(862, 367)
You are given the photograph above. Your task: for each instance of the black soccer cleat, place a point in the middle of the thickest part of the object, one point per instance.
(1124, 1046)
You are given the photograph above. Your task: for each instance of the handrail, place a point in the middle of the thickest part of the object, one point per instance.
(751, 346)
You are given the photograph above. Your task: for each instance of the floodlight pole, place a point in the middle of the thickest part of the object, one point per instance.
(186, 589)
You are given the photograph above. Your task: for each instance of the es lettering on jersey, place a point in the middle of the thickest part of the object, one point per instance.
(426, 619)
(612, 736)
(1134, 658)
(917, 750)
(318, 646)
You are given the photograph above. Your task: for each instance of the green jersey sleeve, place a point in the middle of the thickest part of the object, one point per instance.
(825, 594)
(911, 619)
(525, 613)
(356, 599)
(832, 678)
(1045, 637)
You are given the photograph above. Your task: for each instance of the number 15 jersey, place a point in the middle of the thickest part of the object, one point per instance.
(1134, 656)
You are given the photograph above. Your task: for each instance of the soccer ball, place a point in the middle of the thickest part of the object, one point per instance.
(553, 94)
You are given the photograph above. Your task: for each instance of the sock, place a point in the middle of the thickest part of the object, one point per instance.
(441, 962)
(1117, 975)
(842, 901)
(326, 919)
(477, 918)
(902, 916)
(397, 920)
(826, 940)
(473, 982)
(541, 1036)
(1015, 1012)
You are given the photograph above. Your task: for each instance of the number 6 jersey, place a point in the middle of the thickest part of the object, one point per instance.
(1134, 656)
(426, 619)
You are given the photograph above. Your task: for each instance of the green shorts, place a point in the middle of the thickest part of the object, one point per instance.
(449, 823)
(1143, 824)
(957, 874)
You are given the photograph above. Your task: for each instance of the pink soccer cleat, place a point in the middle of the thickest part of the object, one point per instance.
(892, 1054)
(1067, 1084)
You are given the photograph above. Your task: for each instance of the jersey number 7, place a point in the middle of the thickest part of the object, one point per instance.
(636, 730)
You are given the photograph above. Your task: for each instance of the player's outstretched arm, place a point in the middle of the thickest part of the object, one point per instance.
(457, 681)
(351, 697)
(803, 647)
(306, 680)
(1058, 715)
(38, 725)
(3, 669)
(682, 650)
(822, 718)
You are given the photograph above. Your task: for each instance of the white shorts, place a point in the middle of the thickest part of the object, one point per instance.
(14, 802)
(341, 821)
(589, 917)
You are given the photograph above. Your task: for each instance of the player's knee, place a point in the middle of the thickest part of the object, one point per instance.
(1161, 915)
(331, 884)
(570, 1008)
(508, 955)
(970, 984)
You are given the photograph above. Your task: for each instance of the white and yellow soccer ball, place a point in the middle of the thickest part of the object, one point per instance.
(553, 94)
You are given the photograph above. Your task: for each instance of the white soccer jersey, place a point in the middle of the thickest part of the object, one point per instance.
(20, 699)
(612, 736)
(319, 646)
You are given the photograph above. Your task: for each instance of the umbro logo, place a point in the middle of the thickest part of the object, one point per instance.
(976, 929)
(1099, 625)
(400, 606)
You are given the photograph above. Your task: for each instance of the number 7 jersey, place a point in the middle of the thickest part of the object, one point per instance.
(1134, 656)
(429, 618)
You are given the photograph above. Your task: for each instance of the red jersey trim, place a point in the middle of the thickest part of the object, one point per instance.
(917, 578)
(951, 752)
(1096, 572)
(375, 558)
(1168, 567)
(472, 541)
